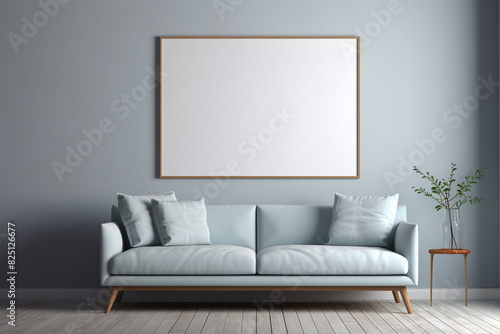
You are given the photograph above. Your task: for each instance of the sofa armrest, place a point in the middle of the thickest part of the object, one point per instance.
(111, 245)
(406, 244)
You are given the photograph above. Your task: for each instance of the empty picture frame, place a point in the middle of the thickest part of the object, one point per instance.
(259, 107)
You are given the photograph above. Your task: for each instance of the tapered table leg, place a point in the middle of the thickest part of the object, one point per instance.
(432, 261)
(465, 260)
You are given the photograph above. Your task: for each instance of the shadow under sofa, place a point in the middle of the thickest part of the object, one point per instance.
(261, 248)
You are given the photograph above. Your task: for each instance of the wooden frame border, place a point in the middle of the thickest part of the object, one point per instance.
(358, 101)
(116, 292)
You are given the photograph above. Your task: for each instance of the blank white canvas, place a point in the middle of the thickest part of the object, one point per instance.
(259, 107)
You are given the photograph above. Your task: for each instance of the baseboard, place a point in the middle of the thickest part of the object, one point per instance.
(101, 294)
(455, 294)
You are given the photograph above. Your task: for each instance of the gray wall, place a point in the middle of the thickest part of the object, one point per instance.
(415, 65)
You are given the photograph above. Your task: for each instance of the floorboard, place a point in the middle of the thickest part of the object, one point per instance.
(107, 323)
(234, 319)
(435, 319)
(333, 319)
(349, 321)
(319, 319)
(277, 319)
(220, 315)
(375, 318)
(306, 321)
(409, 320)
(361, 318)
(346, 317)
(481, 321)
(170, 319)
(157, 318)
(446, 317)
(389, 318)
(263, 320)
(249, 322)
(199, 319)
(292, 322)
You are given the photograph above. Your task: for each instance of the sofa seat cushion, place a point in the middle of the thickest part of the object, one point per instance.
(330, 260)
(185, 260)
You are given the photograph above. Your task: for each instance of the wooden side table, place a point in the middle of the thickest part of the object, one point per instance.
(451, 251)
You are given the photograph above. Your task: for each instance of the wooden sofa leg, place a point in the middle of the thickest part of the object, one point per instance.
(406, 299)
(119, 296)
(395, 293)
(112, 296)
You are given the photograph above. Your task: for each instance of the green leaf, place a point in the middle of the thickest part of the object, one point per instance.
(441, 189)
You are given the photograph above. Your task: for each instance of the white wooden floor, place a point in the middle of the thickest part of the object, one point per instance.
(77, 316)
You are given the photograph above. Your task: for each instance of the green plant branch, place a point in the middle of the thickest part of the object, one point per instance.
(441, 189)
(441, 192)
(436, 189)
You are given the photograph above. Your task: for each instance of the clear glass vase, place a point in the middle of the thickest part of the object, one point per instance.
(452, 229)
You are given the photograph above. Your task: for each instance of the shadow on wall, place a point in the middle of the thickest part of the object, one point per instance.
(157, 125)
(63, 256)
(488, 224)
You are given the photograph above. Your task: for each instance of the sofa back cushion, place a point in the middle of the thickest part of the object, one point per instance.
(300, 224)
(228, 225)
(137, 217)
(362, 220)
(232, 225)
(115, 217)
(181, 223)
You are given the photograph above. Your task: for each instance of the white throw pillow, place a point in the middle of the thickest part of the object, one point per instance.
(362, 220)
(181, 223)
(137, 217)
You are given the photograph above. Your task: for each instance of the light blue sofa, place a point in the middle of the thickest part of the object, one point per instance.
(262, 248)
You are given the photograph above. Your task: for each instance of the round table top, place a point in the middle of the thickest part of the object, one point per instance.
(449, 251)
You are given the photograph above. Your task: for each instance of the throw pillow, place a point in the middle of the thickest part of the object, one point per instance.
(181, 223)
(137, 217)
(362, 220)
